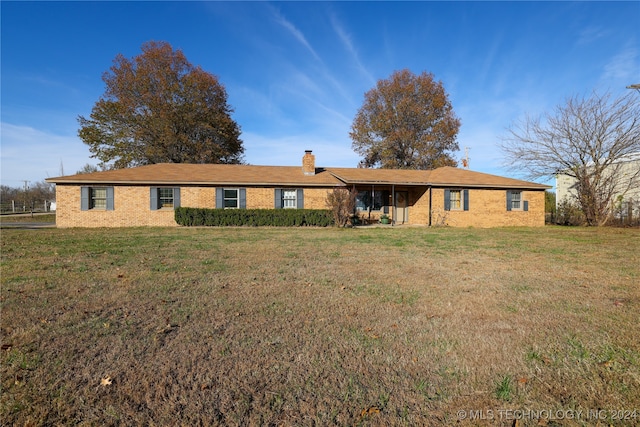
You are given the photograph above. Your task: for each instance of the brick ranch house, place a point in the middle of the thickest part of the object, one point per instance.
(147, 195)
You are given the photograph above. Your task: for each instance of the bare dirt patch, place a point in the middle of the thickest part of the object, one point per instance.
(239, 326)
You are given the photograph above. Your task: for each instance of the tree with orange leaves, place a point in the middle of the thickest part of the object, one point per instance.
(406, 122)
(157, 108)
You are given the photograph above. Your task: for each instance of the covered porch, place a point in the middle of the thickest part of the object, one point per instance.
(388, 204)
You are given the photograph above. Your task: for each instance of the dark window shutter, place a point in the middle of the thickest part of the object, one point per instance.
(447, 200)
(300, 198)
(508, 200)
(220, 198)
(525, 205)
(466, 199)
(277, 199)
(109, 198)
(153, 197)
(243, 198)
(176, 197)
(84, 198)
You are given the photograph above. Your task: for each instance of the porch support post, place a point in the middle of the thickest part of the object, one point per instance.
(373, 197)
(393, 203)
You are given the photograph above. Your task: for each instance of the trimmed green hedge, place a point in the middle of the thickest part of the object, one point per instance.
(253, 217)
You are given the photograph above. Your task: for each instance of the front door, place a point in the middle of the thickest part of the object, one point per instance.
(402, 207)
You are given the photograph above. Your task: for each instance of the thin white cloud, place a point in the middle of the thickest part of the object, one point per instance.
(591, 34)
(487, 69)
(285, 103)
(300, 82)
(32, 154)
(288, 150)
(623, 65)
(327, 75)
(345, 38)
(315, 100)
(295, 32)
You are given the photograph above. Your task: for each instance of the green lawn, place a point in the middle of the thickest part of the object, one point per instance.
(300, 326)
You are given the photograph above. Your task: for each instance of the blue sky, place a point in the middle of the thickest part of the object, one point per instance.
(296, 72)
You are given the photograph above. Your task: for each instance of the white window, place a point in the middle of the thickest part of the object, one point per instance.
(231, 200)
(289, 199)
(98, 198)
(455, 200)
(515, 202)
(165, 196)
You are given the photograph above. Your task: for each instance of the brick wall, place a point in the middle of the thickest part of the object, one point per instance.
(487, 208)
(316, 198)
(131, 208)
(419, 206)
(264, 198)
(132, 205)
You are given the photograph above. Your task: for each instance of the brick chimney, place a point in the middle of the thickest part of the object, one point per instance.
(309, 163)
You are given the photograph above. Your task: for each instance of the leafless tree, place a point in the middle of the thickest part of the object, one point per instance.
(342, 203)
(34, 197)
(89, 168)
(589, 139)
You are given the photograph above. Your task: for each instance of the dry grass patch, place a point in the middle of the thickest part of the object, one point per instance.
(28, 218)
(240, 326)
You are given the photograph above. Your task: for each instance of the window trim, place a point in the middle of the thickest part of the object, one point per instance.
(524, 204)
(464, 199)
(241, 197)
(289, 199)
(96, 199)
(155, 199)
(279, 199)
(166, 200)
(87, 198)
(236, 199)
(457, 201)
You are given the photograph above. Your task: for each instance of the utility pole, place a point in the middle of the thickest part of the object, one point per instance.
(26, 187)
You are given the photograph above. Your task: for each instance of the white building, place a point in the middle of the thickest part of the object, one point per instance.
(626, 200)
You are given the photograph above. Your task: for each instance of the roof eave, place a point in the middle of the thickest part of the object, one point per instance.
(194, 183)
(503, 186)
(532, 186)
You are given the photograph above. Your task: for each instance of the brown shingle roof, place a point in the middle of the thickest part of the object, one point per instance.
(247, 175)
(204, 174)
(444, 176)
(449, 176)
(381, 176)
